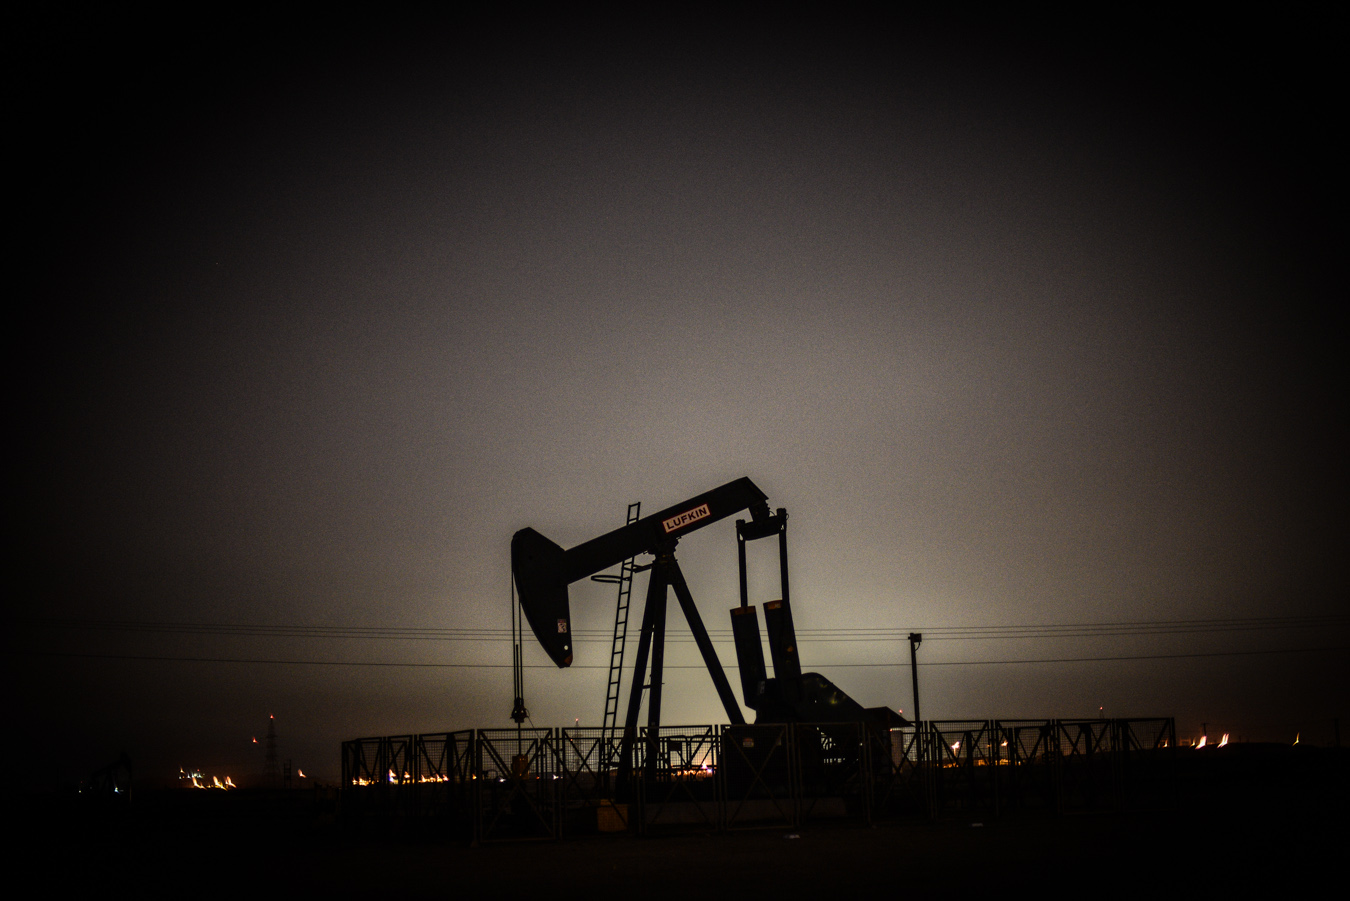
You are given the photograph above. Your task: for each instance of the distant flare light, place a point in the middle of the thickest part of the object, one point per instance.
(195, 779)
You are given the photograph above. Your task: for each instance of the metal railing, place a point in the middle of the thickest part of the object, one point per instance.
(514, 784)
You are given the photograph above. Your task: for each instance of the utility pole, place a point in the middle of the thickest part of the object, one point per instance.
(915, 639)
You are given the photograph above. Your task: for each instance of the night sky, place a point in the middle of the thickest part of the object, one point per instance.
(1027, 325)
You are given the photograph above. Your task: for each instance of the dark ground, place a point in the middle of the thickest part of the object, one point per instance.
(1240, 829)
(1088, 856)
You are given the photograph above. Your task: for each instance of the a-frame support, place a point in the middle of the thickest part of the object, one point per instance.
(666, 573)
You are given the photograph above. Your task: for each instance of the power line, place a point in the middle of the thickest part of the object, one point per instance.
(938, 633)
(828, 636)
(691, 666)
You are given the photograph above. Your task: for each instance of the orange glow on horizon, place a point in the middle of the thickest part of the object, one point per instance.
(195, 779)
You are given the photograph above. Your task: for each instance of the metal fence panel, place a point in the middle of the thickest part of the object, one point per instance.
(962, 767)
(443, 772)
(831, 768)
(588, 758)
(1088, 766)
(513, 784)
(897, 785)
(757, 776)
(677, 788)
(519, 785)
(1028, 764)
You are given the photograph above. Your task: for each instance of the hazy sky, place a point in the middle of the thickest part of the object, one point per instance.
(1022, 330)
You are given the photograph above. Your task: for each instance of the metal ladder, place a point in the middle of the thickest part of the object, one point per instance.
(625, 583)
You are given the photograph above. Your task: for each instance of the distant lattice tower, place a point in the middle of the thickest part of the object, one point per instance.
(271, 771)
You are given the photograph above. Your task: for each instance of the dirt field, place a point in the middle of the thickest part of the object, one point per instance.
(1112, 855)
(1249, 822)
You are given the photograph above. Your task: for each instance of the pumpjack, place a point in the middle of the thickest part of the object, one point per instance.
(543, 571)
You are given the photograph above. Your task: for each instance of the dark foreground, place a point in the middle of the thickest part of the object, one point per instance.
(1239, 832)
(1092, 855)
